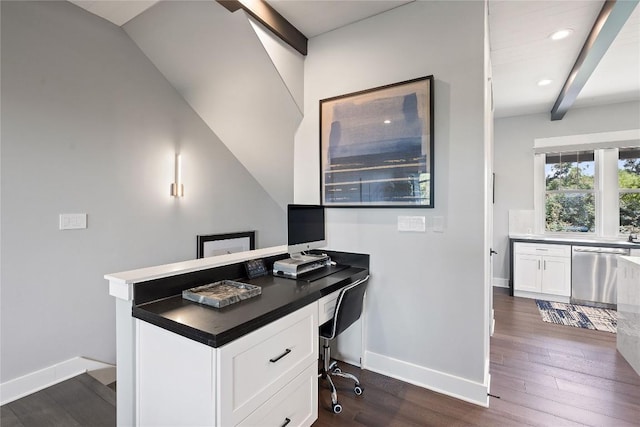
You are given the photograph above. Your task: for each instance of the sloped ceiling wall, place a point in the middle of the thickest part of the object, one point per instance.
(217, 61)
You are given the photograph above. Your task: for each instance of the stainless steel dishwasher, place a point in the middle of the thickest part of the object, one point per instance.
(593, 275)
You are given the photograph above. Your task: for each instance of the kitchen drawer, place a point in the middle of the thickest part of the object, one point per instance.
(542, 249)
(255, 366)
(294, 405)
(327, 306)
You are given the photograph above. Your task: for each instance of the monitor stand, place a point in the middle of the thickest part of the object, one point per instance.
(299, 264)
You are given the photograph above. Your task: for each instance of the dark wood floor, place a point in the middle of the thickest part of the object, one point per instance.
(544, 375)
(79, 401)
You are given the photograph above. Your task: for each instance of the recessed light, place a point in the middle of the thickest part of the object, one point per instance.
(561, 34)
(386, 122)
(544, 82)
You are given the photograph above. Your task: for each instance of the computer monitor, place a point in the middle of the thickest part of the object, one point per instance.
(305, 228)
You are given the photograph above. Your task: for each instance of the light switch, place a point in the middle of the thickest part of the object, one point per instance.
(411, 223)
(73, 221)
(438, 224)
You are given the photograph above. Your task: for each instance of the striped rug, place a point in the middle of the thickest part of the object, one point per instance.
(579, 316)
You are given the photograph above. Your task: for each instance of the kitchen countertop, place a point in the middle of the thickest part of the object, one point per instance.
(218, 326)
(609, 243)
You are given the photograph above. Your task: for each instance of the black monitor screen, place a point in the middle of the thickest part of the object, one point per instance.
(305, 223)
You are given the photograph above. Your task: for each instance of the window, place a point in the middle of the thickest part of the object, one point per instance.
(629, 190)
(570, 199)
(588, 184)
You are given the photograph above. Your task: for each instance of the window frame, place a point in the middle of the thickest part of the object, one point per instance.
(605, 146)
(622, 191)
(596, 191)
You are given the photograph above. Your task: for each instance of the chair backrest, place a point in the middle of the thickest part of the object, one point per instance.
(348, 307)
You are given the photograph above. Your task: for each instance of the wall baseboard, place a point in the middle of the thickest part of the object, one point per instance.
(440, 382)
(38, 380)
(499, 282)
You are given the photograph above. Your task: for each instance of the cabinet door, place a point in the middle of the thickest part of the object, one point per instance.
(527, 272)
(556, 276)
(175, 382)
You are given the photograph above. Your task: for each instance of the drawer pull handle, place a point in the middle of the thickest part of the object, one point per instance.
(275, 359)
(286, 421)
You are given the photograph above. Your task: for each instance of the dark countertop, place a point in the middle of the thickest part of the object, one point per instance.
(218, 326)
(575, 242)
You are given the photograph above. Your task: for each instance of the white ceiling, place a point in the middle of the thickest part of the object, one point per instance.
(315, 17)
(117, 11)
(521, 52)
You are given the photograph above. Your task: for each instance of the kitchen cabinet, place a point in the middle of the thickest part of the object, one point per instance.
(542, 270)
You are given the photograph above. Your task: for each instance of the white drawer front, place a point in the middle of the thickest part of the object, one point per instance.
(542, 249)
(327, 307)
(294, 405)
(258, 364)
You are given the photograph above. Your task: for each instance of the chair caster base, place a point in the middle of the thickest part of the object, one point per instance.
(358, 390)
(336, 408)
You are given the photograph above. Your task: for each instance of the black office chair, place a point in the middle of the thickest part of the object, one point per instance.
(348, 310)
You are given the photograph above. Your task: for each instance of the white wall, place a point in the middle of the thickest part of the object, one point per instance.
(514, 160)
(425, 307)
(218, 62)
(90, 125)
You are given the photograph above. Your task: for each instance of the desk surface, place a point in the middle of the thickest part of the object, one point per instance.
(218, 326)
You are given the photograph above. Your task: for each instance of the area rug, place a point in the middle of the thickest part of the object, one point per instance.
(579, 316)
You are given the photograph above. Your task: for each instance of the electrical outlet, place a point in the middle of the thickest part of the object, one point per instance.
(73, 221)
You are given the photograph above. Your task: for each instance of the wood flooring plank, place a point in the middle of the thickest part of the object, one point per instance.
(84, 405)
(612, 408)
(377, 407)
(522, 374)
(39, 409)
(595, 392)
(561, 410)
(8, 418)
(527, 416)
(508, 381)
(600, 379)
(621, 371)
(106, 393)
(461, 413)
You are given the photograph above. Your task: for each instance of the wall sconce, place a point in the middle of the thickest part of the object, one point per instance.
(177, 189)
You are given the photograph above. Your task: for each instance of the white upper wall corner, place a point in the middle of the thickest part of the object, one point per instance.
(244, 84)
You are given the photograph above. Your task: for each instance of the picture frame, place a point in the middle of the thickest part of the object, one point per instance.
(226, 243)
(376, 147)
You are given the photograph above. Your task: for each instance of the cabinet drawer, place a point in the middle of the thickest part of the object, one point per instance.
(327, 306)
(295, 405)
(256, 365)
(542, 249)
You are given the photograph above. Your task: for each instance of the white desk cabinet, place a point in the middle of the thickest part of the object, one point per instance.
(542, 271)
(267, 377)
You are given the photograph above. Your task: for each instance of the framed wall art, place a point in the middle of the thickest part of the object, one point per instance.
(376, 147)
(228, 243)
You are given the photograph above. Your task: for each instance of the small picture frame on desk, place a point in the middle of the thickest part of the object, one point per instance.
(227, 243)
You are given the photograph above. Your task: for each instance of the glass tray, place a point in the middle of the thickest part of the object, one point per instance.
(222, 293)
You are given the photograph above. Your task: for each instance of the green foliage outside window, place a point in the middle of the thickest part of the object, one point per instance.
(570, 202)
(629, 179)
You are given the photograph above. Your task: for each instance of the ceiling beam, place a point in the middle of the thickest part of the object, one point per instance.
(608, 24)
(270, 18)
